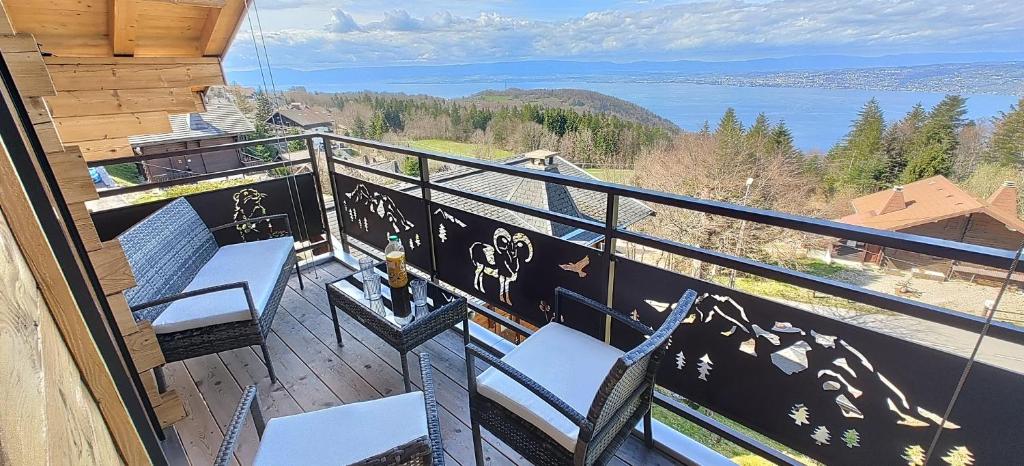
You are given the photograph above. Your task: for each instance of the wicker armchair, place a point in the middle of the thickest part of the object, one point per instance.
(397, 430)
(200, 297)
(533, 397)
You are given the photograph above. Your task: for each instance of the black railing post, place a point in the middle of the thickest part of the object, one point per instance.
(329, 155)
(611, 223)
(317, 188)
(427, 206)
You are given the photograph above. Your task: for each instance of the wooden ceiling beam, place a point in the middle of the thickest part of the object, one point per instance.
(123, 26)
(5, 21)
(201, 3)
(207, 35)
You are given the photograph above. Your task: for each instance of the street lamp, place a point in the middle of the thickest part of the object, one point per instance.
(743, 229)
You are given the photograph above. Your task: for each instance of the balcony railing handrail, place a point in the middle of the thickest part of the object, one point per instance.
(982, 255)
(203, 150)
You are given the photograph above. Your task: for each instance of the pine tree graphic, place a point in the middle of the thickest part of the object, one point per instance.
(821, 435)
(959, 456)
(800, 414)
(680, 360)
(851, 438)
(635, 315)
(442, 233)
(418, 239)
(704, 368)
(914, 455)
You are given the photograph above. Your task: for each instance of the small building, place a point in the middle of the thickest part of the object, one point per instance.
(302, 118)
(221, 123)
(938, 208)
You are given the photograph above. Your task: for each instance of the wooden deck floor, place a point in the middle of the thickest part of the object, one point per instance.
(315, 373)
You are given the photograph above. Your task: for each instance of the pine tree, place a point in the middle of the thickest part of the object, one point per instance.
(704, 368)
(959, 456)
(729, 135)
(378, 126)
(1008, 138)
(932, 149)
(895, 143)
(358, 127)
(706, 129)
(914, 455)
(800, 414)
(680, 360)
(858, 162)
(782, 139)
(758, 136)
(851, 438)
(821, 435)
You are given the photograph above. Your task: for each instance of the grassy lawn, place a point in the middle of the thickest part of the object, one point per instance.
(186, 189)
(461, 148)
(724, 447)
(125, 174)
(612, 175)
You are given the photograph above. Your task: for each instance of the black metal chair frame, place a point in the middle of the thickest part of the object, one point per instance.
(191, 343)
(424, 451)
(624, 397)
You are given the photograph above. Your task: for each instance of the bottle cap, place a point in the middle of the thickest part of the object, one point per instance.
(392, 237)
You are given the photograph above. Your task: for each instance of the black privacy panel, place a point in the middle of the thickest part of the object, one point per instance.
(296, 197)
(837, 392)
(514, 269)
(371, 213)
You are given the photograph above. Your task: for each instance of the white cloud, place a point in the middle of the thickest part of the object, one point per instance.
(341, 22)
(725, 29)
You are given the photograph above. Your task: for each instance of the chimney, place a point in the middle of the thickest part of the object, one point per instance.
(894, 202)
(1005, 198)
(540, 158)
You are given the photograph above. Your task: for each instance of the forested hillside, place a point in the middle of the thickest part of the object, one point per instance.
(582, 135)
(580, 100)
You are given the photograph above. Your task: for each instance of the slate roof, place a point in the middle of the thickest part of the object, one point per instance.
(223, 119)
(305, 117)
(576, 202)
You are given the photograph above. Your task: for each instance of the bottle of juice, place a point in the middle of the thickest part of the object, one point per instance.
(398, 279)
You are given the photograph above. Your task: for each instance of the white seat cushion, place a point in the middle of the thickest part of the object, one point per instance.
(568, 363)
(343, 434)
(256, 262)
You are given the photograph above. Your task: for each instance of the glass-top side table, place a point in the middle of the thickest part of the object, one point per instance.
(443, 311)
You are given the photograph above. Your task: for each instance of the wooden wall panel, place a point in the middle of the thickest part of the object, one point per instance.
(85, 103)
(134, 76)
(104, 149)
(112, 268)
(48, 413)
(29, 73)
(73, 176)
(87, 128)
(86, 229)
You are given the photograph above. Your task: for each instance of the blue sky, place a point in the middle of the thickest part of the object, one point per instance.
(345, 33)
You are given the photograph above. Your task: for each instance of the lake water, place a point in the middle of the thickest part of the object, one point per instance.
(817, 117)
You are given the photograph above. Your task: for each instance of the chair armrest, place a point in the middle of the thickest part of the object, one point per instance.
(430, 403)
(288, 222)
(632, 324)
(189, 294)
(531, 385)
(248, 403)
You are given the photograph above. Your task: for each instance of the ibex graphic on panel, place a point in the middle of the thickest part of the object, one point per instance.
(500, 260)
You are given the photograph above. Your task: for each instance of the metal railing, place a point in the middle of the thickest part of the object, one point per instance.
(613, 232)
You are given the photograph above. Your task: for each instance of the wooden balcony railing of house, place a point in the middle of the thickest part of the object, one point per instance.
(818, 384)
